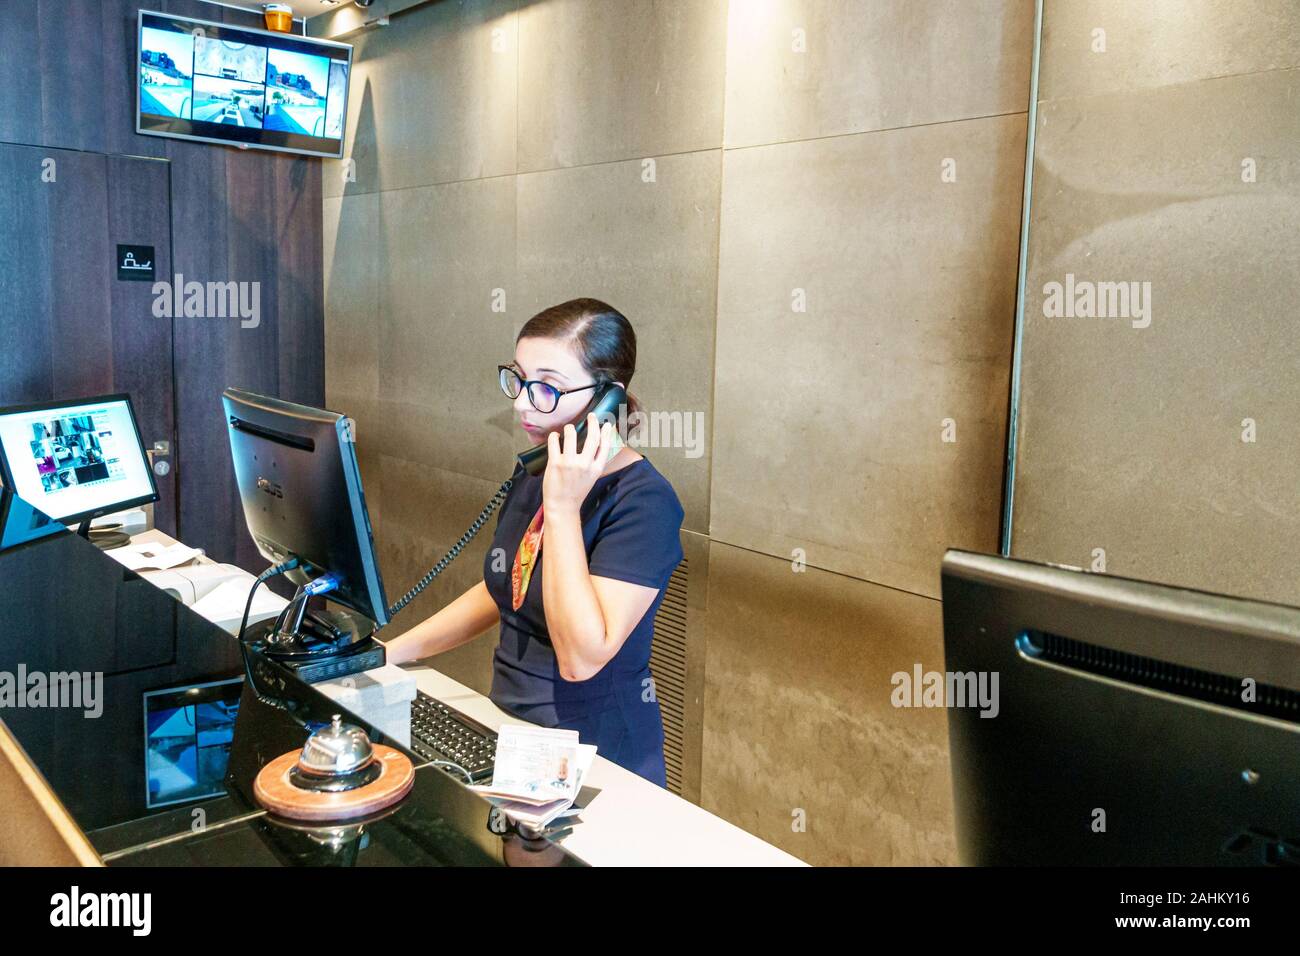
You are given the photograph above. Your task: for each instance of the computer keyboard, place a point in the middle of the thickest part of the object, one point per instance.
(440, 733)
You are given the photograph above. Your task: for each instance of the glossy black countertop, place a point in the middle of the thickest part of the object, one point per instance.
(68, 609)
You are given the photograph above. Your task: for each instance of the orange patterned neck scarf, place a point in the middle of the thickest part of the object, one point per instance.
(526, 560)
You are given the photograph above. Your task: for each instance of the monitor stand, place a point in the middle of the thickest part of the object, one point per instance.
(103, 538)
(318, 645)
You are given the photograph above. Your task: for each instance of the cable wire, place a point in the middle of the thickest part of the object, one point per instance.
(245, 651)
(447, 763)
(266, 575)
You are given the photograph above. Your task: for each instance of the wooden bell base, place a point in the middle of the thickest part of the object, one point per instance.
(277, 793)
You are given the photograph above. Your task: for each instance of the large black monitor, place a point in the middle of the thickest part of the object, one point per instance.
(1134, 723)
(76, 459)
(296, 467)
(209, 81)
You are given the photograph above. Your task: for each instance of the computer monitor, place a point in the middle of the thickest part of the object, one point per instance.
(213, 82)
(1131, 723)
(75, 460)
(296, 468)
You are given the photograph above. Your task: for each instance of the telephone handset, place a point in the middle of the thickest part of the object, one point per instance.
(605, 405)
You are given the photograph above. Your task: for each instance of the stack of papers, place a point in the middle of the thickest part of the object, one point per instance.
(151, 556)
(538, 773)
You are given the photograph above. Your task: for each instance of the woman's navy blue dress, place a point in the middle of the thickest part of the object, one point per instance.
(631, 523)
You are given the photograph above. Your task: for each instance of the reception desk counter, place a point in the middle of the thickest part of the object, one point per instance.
(96, 664)
(132, 737)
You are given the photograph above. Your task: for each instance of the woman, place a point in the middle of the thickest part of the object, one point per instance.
(577, 614)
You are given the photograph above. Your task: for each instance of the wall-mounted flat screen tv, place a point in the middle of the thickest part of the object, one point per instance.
(221, 84)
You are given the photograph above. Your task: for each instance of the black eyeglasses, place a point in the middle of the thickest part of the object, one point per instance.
(542, 396)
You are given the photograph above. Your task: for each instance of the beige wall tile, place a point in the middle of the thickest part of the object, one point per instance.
(618, 79)
(872, 64)
(425, 511)
(352, 295)
(829, 423)
(442, 251)
(650, 250)
(1159, 42)
(1130, 439)
(357, 171)
(432, 98)
(798, 714)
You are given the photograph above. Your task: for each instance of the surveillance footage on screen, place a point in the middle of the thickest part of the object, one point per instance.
(74, 450)
(235, 80)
